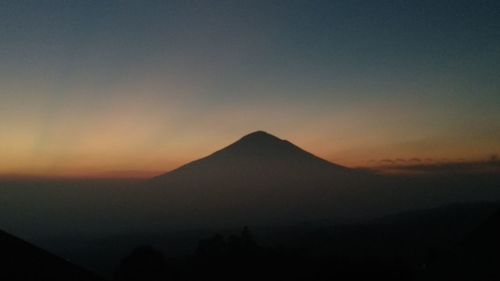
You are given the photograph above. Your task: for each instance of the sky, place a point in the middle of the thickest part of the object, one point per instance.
(136, 88)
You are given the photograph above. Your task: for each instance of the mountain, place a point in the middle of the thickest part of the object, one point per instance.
(258, 178)
(20, 260)
(262, 179)
(259, 155)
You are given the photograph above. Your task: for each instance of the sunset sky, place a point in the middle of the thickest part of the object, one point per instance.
(135, 88)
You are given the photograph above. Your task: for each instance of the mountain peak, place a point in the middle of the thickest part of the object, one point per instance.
(259, 136)
(259, 142)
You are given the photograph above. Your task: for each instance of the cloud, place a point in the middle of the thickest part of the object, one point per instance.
(443, 166)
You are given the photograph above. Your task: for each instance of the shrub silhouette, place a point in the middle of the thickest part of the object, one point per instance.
(144, 263)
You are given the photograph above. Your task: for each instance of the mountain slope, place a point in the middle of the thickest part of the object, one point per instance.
(20, 260)
(258, 178)
(258, 155)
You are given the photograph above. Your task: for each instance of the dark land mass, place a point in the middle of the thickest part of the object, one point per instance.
(20, 260)
(307, 218)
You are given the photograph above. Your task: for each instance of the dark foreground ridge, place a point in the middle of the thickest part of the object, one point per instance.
(20, 260)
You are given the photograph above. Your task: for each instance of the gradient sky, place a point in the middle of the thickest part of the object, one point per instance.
(139, 87)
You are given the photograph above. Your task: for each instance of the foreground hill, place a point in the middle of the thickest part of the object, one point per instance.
(20, 260)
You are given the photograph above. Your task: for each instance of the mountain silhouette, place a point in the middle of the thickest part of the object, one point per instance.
(20, 260)
(257, 154)
(259, 177)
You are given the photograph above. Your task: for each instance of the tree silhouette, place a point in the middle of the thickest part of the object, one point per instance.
(144, 263)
